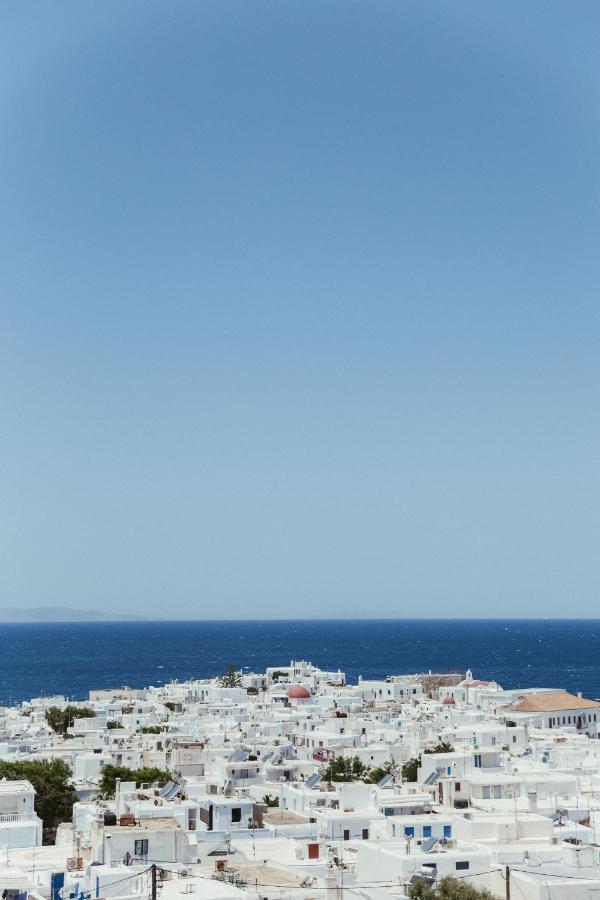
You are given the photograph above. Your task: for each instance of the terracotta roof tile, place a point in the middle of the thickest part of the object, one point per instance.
(553, 700)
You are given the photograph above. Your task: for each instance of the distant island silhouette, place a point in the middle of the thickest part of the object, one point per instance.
(60, 614)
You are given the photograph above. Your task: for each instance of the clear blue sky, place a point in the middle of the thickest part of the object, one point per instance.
(300, 307)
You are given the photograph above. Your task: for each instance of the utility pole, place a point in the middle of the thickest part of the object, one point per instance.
(507, 879)
(153, 880)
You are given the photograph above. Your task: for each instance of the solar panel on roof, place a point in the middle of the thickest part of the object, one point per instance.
(237, 756)
(433, 776)
(313, 781)
(383, 782)
(166, 788)
(429, 843)
(172, 792)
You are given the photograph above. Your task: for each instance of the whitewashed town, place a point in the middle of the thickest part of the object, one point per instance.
(295, 784)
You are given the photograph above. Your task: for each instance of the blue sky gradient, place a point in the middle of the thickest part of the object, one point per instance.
(299, 307)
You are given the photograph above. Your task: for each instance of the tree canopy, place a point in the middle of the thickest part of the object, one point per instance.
(51, 778)
(378, 772)
(440, 747)
(411, 767)
(410, 770)
(351, 768)
(60, 719)
(150, 775)
(230, 677)
(345, 768)
(447, 889)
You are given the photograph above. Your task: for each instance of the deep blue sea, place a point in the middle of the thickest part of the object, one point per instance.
(71, 658)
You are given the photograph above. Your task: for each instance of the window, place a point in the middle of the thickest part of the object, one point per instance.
(365, 834)
(236, 814)
(457, 786)
(426, 831)
(493, 741)
(346, 834)
(447, 831)
(141, 847)
(477, 760)
(514, 737)
(461, 864)
(409, 831)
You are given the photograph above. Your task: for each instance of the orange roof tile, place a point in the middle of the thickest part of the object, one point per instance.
(551, 701)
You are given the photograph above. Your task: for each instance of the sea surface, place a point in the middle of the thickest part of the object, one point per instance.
(71, 658)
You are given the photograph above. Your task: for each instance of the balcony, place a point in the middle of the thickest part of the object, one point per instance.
(9, 817)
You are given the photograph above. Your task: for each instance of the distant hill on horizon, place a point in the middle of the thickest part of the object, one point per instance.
(60, 614)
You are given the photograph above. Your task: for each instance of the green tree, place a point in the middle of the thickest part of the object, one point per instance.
(51, 778)
(152, 729)
(378, 772)
(410, 770)
(278, 674)
(345, 768)
(441, 747)
(112, 723)
(448, 889)
(230, 677)
(61, 719)
(271, 802)
(150, 775)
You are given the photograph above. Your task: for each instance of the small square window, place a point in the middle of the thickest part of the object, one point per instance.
(141, 847)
